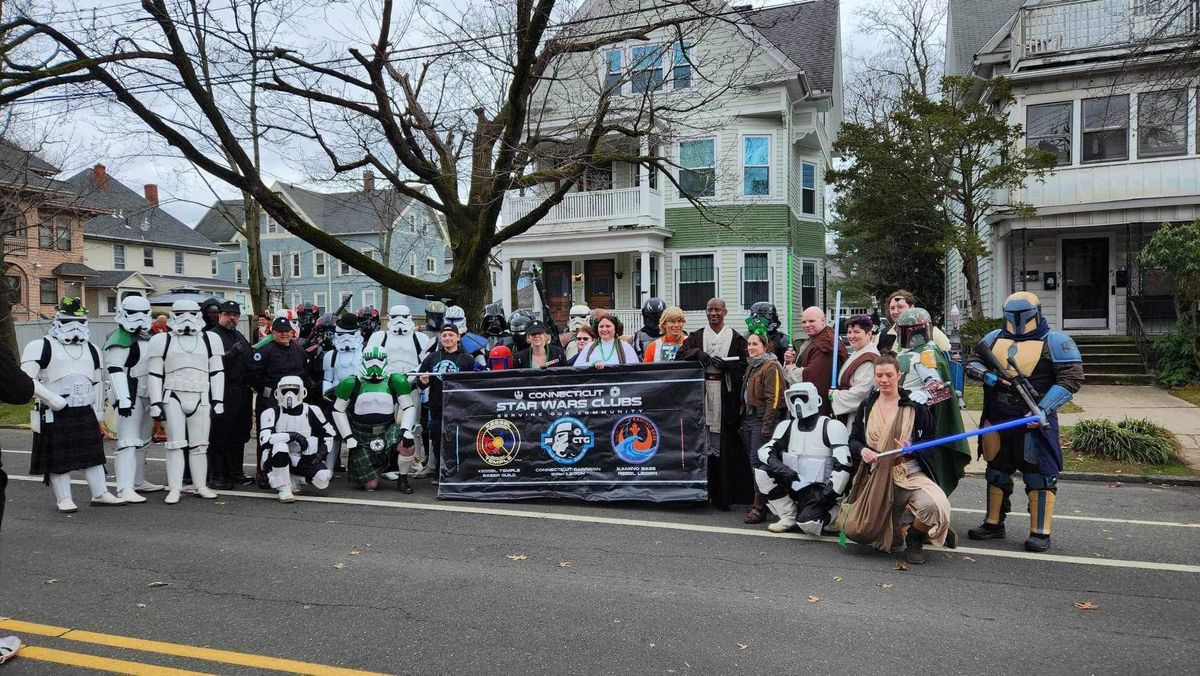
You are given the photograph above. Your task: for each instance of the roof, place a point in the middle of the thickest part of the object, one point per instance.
(806, 33)
(197, 282)
(216, 225)
(969, 26)
(134, 220)
(110, 279)
(26, 170)
(74, 270)
(342, 213)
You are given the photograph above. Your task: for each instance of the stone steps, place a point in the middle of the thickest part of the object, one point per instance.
(1112, 360)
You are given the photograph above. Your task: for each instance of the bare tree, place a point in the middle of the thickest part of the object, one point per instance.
(909, 55)
(511, 99)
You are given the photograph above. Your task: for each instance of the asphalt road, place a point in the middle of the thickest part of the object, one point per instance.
(408, 584)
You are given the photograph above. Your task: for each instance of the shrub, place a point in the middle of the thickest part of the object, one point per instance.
(1177, 356)
(1135, 440)
(973, 331)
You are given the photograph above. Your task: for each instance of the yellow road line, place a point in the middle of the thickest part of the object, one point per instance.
(181, 650)
(98, 663)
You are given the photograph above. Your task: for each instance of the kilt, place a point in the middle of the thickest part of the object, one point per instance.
(69, 443)
(366, 463)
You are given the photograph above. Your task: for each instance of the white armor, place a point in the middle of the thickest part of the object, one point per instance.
(127, 355)
(342, 361)
(813, 451)
(405, 346)
(458, 317)
(186, 385)
(292, 434)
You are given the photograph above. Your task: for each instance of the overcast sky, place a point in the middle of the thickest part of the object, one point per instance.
(92, 138)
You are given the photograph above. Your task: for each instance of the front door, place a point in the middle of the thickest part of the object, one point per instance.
(558, 290)
(599, 283)
(1085, 289)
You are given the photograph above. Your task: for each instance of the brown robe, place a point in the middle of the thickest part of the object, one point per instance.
(816, 358)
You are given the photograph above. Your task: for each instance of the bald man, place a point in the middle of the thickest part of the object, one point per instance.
(814, 363)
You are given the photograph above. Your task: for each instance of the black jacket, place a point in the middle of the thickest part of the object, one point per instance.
(922, 431)
(15, 386)
(274, 361)
(237, 359)
(524, 358)
(461, 362)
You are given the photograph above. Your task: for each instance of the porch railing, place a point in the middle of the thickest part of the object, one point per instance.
(1136, 328)
(589, 206)
(1046, 29)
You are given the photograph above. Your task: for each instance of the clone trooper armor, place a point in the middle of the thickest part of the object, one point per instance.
(366, 412)
(764, 320)
(68, 389)
(806, 464)
(652, 312)
(186, 385)
(472, 343)
(294, 436)
(1054, 368)
(127, 354)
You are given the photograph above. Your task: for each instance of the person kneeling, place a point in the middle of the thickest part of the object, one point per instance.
(891, 490)
(294, 436)
(806, 464)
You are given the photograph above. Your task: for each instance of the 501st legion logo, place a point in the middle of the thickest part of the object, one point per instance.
(635, 439)
(498, 442)
(567, 440)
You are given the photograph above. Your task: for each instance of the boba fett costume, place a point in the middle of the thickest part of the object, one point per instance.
(375, 414)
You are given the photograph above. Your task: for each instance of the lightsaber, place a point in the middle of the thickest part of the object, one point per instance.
(837, 341)
(932, 443)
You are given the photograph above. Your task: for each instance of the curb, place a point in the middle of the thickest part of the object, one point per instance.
(13, 427)
(1163, 479)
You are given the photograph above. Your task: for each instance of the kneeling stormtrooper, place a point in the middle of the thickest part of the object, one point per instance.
(293, 434)
(806, 464)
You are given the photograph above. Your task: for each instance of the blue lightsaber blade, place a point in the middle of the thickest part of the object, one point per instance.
(1020, 422)
(837, 342)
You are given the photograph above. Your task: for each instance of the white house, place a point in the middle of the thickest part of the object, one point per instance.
(755, 155)
(1090, 86)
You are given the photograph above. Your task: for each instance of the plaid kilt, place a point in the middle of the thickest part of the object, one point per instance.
(365, 463)
(69, 443)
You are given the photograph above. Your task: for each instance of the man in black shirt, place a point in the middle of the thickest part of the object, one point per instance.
(282, 356)
(231, 429)
(448, 358)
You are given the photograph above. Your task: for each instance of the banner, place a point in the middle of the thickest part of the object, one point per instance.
(620, 433)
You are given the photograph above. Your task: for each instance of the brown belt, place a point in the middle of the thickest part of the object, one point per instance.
(713, 376)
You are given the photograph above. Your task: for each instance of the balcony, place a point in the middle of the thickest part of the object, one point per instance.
(593, 210)
(1077, 186)
(1051, 30)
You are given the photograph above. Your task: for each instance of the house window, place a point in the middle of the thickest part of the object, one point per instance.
(118, 257)
(647, 72)
(319, 258)
(1105, 129)
(237, 273)
(431, 265)
(756, 168)
(412, 264)
(296, 299)
(636, 294)
(1162, 123)
(1048, 128)
(179, 262)
(48, 290)
(110, 304)
(612, 68)
(369, 253)
(12, 230)
(681, 67)
(697, 281)
(808, 188)
(295, 265)
(267, 224)
(148, 257)
(368, 298)
(808, 284)
(62, 233)
(45, 235)
(756, 279)
(343, 268)
(276, 265)
(214, 266)
(320, 300)
(342, 296)
(14, 289)
(698, 177)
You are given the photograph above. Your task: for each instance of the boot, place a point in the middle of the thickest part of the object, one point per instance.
(1041, 512)
(785, 509)
(175, 466)
(987, 531)
(992, 527)
(198, 463)
(60, 484)
(100, 495)
(402, 485)
(321, 479)
(914, 546)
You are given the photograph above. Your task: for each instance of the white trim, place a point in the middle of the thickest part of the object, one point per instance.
(124, 259)
(742, 275)
(368, 298)
(271, 258)
(771, 173)
(321, 300)
(325, 257)
(296, 264)
(343, 268)
(296, 299)
(816, 191)
(149, 249)
(431, 265)
(714, 254)
(179, 263)
(672, 195)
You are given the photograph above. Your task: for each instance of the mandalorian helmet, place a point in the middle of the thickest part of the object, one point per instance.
(374, 364)
(186, 319)
(912, 328)
(70, 325)
(1022, 313)
(134, 315)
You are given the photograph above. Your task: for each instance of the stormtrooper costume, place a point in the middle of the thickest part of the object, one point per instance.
(339, 363)
(366, 412)
(293, 434)
(405, 348)
(186, 385)
(806, 464)
(577, 318)
(128, 358)
(68, 389)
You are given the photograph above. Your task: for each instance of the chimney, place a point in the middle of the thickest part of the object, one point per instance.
(100, 177)
(368, 180)
(152, 194)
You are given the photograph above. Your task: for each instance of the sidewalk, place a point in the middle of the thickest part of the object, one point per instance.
(1117, 402)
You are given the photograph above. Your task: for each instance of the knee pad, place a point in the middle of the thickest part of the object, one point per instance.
(995, 477)
(278, 460)
(1040, 482)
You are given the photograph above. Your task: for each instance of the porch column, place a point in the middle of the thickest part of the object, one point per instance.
(644, 190)
(645, 278)
(506, 284)
(662, 280)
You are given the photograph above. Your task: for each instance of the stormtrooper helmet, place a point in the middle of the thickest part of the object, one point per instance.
(458, 317)
(400, 320)
(70, 326)
(912, 328)
(578, 317)
(186, 318)
(134, 315)
(374, 364)
(803, 400)
(346, 337)
(290, 392)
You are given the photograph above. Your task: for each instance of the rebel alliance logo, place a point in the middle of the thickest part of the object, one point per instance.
(635, 438)
(567, 440)
(518, 395)
(498, 442)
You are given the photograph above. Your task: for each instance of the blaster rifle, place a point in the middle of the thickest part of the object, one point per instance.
(547, 315)
(342, 308)
(1019, 383)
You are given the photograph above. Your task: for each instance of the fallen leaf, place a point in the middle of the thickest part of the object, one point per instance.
(564, 564)
(885, 586)
(762, 553)
(814, 599)
(743, 646)
(159, 584)
(355, 552)
(517, 557)
(651, 645)
(219, 503)
(968, 558)
(658, 542)
(1086, 605)
(339, 565)
(837, 579)
(141, 605)
(900, 565)
(52, 580)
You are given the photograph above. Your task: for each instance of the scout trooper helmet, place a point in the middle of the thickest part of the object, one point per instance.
(400, 320)
(70, 325)
(134, 314)
(803, 400)
(290, 392)
(186, 318)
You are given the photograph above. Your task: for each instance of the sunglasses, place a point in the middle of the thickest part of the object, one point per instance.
(583, 339)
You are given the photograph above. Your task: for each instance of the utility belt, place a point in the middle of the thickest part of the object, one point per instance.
(755, 411)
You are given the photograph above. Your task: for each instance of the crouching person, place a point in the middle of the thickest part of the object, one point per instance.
(892, 491)
(293, 439)
(376, 413)
(806, 464)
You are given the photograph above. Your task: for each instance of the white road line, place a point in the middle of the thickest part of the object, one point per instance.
(109, 457)
(673, 525)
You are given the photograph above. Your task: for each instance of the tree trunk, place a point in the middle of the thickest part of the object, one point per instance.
(514, 276)
(8, 329)
(255, 278)
(970, 270)
(474, 293)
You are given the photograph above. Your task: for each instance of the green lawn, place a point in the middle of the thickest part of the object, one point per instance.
(14, 414)
(1073, 462)
(1188, 393)
(973, 396)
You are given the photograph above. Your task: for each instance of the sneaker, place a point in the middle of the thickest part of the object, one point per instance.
(205, 492)
(321, 479)
(106, 499)
(781, 526)
(147, 487)
(67, 505)
(286, 497)
(390, 476)
(987, 531)
(172, 497)
(1037, 543)
(130, 496)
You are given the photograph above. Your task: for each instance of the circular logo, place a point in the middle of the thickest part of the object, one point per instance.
(614, 391)
(567, 440)
(258, 356)
(518, 395)
(497, 442)
(376, 445)
(635, 438)
(445, 366)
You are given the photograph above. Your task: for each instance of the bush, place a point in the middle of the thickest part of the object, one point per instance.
(973, 331)
(1176, 355)
(1135, 440)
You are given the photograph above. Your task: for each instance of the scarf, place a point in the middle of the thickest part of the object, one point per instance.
(761, 359)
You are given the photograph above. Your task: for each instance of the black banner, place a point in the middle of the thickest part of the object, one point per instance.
(620, 433)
